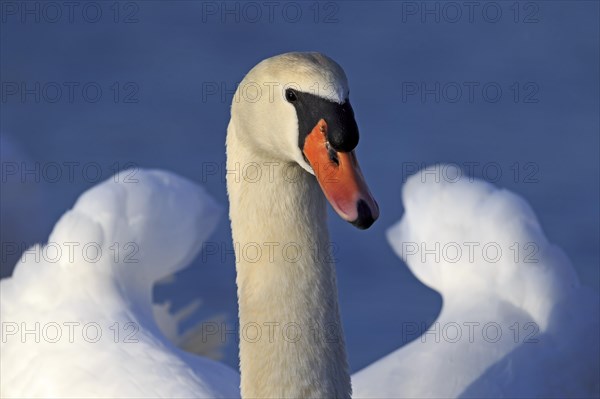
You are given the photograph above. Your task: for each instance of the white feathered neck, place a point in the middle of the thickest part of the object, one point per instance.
(291, 339)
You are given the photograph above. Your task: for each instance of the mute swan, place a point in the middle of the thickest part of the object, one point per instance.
(81, 325)
(292, 133)
(304, 128)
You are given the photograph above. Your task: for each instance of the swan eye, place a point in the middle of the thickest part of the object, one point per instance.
(290, 95)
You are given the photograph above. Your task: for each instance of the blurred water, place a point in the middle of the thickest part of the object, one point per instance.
(157, 65)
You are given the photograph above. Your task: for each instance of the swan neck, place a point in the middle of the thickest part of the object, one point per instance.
(291, 339)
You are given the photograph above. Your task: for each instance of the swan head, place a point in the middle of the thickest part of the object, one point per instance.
(295, 107)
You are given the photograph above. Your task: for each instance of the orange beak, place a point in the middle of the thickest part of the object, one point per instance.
(340, 179)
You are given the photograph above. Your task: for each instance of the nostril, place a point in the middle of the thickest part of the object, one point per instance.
(333, 156)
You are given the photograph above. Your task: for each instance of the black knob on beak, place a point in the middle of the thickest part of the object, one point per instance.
(343, 131)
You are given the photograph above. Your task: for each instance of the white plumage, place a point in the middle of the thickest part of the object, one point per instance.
(77, 315)
(157, 224)
(168, 217)
(528, 293)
